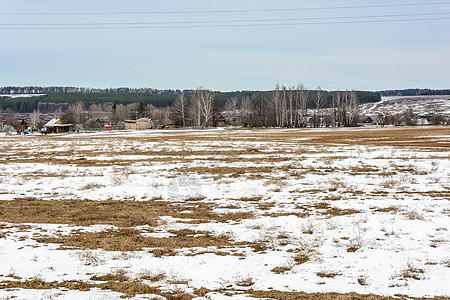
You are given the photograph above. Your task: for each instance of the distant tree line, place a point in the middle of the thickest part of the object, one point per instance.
(415, 92)
(280, 107)
(14, 90)
(66, 96)
(28, 104)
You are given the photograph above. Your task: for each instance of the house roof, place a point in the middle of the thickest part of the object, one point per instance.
(53, 122)
(143, 120)
(63, 125)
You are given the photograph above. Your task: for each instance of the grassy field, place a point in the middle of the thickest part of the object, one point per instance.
(269, 213)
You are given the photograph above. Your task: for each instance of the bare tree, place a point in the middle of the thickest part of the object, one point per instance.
(346, 108)
(195, 109)
(180, 109)
(302, 101)
(276, 104)
(160, 116)
(202, 105)
(68, 116)
(338, 109)
(318, 103)
(409, 113)
(58, 112)
(283, 107)
(231, 109)
(10, 117)
(353, 109)
(245, 108)
(207, 105)
(121, 112)
(35, 118)
(292, 107)
(263, 110)
(79, 116)
(95, 111)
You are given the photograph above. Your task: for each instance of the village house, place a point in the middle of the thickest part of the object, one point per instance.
(368, 120)
(220, 121)
(57, 126)
(94, 124)
(376, 119)
(139, 124)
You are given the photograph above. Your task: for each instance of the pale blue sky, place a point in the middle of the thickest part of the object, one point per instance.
(366, 56)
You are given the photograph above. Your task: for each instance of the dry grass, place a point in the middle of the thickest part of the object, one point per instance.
(327, 274)
(127, 288)
(119, 213)
(244, 281)
(137, 287)
(153, 277)
(326, 296)
(281, 269)
(387, 209)
(119, 276)
(410, 272)
(127, 239)
(301, 258)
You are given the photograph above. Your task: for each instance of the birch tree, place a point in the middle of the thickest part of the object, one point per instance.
(283, 107)
(318, 104)
(292, 106)
(276, 104)
(353, 109)
(202, 106)
(346, 108)
(302, 101)
(337, 109)
(180, 108)
(206, 105)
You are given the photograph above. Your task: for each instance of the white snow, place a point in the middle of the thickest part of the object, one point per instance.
(414, 234)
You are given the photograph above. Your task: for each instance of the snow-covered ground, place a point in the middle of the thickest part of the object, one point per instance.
(295, 210)
(20, 95)
(420, 105)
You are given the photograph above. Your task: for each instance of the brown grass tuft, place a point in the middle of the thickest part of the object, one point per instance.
(127, 239)
(119, 213)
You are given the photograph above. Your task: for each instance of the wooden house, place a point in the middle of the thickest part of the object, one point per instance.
(139, 124)
(220, 121)
(57, 126)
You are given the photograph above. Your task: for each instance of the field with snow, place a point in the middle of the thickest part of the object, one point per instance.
(398, 105)
(219, 214)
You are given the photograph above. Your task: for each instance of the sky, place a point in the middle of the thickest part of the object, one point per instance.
(225, 45)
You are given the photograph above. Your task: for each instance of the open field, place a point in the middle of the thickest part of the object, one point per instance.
(269, 213)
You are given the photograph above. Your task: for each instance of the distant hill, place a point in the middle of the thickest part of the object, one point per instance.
(419, 105)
